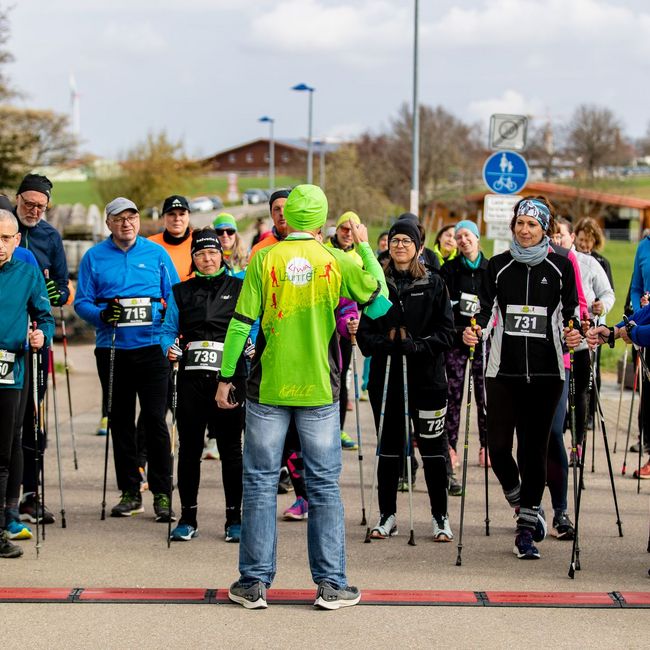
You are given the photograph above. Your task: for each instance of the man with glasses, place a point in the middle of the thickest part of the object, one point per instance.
(44, 241)
(123, 283)
(24, 298)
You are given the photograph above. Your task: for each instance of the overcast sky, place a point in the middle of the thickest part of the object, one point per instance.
(206, 70)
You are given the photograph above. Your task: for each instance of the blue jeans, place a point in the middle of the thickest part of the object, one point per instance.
(319, 432)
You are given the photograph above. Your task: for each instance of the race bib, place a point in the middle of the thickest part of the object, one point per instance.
(468, 304)
(526, 320)
(137, 311)
(7, 361)
(204, 355)
(431, 424)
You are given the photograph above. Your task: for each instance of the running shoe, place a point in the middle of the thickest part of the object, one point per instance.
(210, 452)
(284, 484)
(298, 511)
(162, 506)
(441, 529)
(482, 457)
(250, 596)
(8, 549)
(102, 429)
(233, 532)
(403, 485)
(539, 535)
(386, 527)
(563, 526)
(15, 529)
(329, 597)
(524, 548)
(572, 456)
(130, 504)
(144, 483)
(455, 488)
(27, 510)
(635, 448)
(183, 533)
(644, 472)
(364, 396)
(347, 442)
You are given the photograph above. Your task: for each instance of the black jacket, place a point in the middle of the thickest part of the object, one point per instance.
(423, 308)
(460, 279)
(511, 284)
(205, 308)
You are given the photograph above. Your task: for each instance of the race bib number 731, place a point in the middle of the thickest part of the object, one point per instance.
(526, 320)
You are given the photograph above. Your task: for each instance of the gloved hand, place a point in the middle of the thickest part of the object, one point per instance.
(53, 293)
(409, 345)
(112, 314)
(249, 348)
(174, 353)
(387, 345)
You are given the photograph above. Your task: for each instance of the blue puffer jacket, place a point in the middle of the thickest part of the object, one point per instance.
(107, 272)
(45, 242)
(23, 297)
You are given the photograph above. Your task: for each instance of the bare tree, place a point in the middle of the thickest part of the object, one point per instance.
(6, 91)
(594, 137)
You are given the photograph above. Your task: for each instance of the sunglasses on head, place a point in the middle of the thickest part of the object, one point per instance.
(226, 231)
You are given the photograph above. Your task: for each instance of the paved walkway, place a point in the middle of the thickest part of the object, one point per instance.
(132, 552)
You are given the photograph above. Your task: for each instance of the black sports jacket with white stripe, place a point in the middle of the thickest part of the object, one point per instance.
(524, 309)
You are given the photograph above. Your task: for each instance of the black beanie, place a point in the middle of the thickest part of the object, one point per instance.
(36, 183)
(406, 227)
(205, 238)
(409, 216)
(278, 194)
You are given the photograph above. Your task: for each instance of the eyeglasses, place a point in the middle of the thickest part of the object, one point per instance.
(226, 231)
(30, 205)
(405, 242)
(7, 239)
(120, 221)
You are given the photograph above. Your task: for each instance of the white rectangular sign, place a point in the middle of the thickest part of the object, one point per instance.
(508, 131)
(498, 207)
(498, 230)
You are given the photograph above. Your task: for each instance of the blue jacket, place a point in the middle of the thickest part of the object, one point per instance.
(641, 274)
(107, 272)
(23, 297)
(24, 255)
(45, 242)
(641, 333)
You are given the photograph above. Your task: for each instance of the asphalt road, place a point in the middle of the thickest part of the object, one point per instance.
(133, 553)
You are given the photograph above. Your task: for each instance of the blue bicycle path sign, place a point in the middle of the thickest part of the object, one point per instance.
(505, 172)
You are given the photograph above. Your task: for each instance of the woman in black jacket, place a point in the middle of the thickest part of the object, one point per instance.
(528, 301)
(463, 276)
(422, 325)
(193, 333)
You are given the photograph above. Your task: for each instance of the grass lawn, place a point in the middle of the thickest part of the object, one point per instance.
(85, 192)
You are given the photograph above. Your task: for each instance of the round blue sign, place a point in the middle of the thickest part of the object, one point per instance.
(505, 172)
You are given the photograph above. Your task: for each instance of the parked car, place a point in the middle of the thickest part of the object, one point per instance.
(201, 204)
(217, 203)
(254, 196)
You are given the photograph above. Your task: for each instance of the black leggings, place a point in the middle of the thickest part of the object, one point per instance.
(196, 408)
(433, 447)
(9, 442)
(582, 373)
(30, 479)
(529, 407)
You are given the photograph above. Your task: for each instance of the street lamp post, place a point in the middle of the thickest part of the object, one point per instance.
(271, 122)
(415, 173)
(310, 144)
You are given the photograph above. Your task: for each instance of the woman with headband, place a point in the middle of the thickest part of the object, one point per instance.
(528, 309)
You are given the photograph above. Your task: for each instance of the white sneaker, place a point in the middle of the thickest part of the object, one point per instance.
(441, 529)
(210, 452)
(386, 527)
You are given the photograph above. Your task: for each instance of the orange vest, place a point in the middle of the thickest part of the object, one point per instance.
(267, 241)
(181, 255)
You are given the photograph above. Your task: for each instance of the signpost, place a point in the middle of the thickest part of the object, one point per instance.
(508, 131)
(505, 172)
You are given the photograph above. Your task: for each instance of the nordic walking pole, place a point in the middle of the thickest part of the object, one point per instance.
(468, 414)
(409, 447)
(40, 450)
(593, 361)
(575, 550)
(67, 379)
(603, 427)
(56, 437)
(355, 374)
(637, 373)
(109, 417)
(37, 426)
(173, 447)
(391, 336)
(620, 400)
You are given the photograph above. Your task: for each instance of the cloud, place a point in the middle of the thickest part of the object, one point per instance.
(313, 26)
(345, 131)
(510, 102)
(135, 38)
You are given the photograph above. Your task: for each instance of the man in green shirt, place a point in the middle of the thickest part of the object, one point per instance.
(294, 287)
